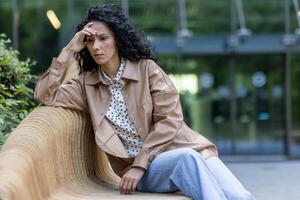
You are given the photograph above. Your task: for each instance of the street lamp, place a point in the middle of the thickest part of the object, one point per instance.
(183, 32)
(290, 39)
(296, 6)
(243, 32)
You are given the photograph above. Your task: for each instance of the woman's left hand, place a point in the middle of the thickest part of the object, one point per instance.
(130, 180)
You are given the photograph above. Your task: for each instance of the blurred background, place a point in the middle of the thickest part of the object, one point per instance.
(235, 62)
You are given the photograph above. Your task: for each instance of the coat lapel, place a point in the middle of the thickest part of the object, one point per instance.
(109, 141)
(105, 137)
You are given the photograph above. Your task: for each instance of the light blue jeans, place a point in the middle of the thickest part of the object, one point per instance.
(185, 170)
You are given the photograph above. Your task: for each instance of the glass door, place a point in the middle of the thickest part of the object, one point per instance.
(260, 107)
(203, 84)
(256, 123)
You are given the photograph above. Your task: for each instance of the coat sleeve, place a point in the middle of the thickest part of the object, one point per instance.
(167, 116)
(50, 91)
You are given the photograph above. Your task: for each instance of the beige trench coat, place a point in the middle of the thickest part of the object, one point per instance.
(152, 101)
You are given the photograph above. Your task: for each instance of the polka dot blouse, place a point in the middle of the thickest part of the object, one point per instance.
(117, 114)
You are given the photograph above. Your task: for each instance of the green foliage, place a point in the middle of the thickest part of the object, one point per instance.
(16, 93)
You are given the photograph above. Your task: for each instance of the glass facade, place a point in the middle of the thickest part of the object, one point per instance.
(260, 105)
(295, 95)
(236, 100)
(259, 97)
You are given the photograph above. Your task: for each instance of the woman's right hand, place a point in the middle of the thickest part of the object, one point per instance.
(77, 43)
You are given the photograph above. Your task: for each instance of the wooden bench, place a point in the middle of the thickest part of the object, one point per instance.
(52, 154)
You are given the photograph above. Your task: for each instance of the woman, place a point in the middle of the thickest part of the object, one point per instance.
(135, 111)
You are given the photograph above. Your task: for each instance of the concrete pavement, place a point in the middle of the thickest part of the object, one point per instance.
(271, 180)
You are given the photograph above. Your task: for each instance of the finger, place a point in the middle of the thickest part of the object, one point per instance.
(89, 24)
(129, 186)
(121, 185)
(86, 33)
(124, 187)
(90, 30)
(134, 184)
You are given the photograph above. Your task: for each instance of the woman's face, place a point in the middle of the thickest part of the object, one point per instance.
(102, 46)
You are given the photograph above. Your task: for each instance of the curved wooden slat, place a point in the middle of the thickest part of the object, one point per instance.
(52, 155)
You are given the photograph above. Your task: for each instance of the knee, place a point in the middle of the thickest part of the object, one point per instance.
(242, 196)
(183, 152)
(187, 155)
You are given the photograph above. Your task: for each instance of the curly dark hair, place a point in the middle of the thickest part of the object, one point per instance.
(131, 43)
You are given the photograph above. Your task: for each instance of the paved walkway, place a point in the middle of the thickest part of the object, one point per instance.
(275, 180)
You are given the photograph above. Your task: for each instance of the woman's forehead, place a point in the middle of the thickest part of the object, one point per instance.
(100, 27)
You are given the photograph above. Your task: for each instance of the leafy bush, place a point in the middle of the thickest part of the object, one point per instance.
(16, 93)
